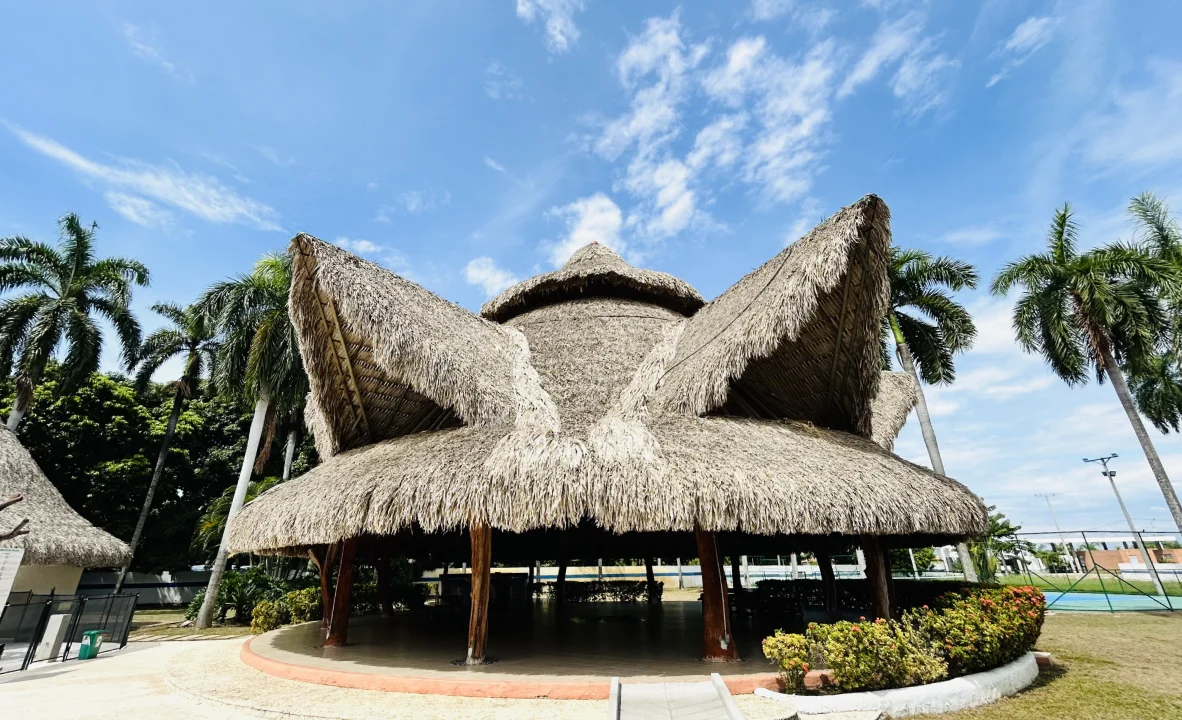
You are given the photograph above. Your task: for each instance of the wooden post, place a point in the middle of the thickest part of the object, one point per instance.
(481, 536)
(323, 559)
(877, 574)
(829, 579)
(560, 581)
(718, 644)
(338, 621)
(648, 575)
(736, 581)
(385, 608)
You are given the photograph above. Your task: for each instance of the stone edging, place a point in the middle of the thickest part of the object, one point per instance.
(488, 686)
(941, 697)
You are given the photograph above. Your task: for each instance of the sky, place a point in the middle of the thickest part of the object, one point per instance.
(468, 145)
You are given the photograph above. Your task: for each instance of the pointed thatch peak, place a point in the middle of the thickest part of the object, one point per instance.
(57, 534)
(594, 270)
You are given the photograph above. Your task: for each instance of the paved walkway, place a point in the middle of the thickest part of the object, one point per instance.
(206, 681)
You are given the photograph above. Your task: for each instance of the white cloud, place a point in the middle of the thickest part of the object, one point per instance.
(558, 15)
(920, 80)
(494, 164)
(146, 50)
(359, 247)
(138, 210)
(891, 41)
(501, 83)
(594, 219)
(811, 18)
(482, 271)
(200, 195)
(809, 217)
(273, 156)
(763, 10)
(1028, 38)
(730, 81)
(1139, 128)
(972, 235)
(414, 201)
(720, 143)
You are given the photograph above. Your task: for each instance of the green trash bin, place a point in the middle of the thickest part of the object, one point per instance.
(92, 642)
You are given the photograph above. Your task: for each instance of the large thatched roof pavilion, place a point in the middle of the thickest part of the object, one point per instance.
(60, 543)
(608, 406)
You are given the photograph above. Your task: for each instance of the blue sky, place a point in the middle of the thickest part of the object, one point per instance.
(468, 144)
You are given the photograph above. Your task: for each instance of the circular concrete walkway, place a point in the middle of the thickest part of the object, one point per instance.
(542, 653)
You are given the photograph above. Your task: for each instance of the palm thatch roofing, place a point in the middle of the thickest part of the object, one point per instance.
(603, 392)
(57, 534)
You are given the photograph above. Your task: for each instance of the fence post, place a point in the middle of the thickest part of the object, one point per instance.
(74, 622)
(38, 632)
(1099, 575)
(1153, 571)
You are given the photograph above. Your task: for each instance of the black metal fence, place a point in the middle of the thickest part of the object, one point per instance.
(41, 628)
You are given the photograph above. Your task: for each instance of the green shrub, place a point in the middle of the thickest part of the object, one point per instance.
(982, 629)
(194, 608)
(791, 653)
(303, 605)
(968, 632)
(268, 615)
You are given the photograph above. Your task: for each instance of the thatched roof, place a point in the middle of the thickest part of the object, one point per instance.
(57, 534)
(594, 271)
(764, 412)
(895, 400)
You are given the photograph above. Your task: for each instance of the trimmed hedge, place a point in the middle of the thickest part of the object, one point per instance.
(627, 591)
(967, 632)
(854, 594)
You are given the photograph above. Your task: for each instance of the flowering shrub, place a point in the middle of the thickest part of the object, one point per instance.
(968, 632)
(983, 629)
(791, 653)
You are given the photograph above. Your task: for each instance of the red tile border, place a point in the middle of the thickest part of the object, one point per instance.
(489, 688)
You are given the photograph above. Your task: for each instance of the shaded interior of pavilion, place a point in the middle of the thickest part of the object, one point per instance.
(483, 615)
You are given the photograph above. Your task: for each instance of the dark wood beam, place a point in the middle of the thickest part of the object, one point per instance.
(338, 621)
(481, 536)
(718, 642)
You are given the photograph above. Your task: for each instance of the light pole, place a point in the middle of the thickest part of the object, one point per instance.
(1111, 475)
(1071, 561)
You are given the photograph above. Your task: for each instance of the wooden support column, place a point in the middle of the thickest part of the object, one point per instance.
(878, 575)
(718, 643)
(829, 580)
(481, 536)
(652, 581)
(385, 608)
(560, 581)
(736, 576)
(323, 558)
(338, 621)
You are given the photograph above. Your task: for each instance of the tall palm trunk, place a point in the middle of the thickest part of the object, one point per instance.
(1159, 472)
(293, 439)
(929, 434)
(14, 417)
(209, 605)
(178, 400)
(21, 403)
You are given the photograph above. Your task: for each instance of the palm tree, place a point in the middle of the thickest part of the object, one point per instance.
(258, 361)
(1156, 381)
(929, 328)
(1094, 311)
(191, 335)
(212, 523)
(68, 287)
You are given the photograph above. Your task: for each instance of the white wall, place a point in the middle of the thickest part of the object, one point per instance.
(61, 579)
(164, 588)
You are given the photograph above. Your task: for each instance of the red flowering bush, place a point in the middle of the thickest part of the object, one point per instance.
(981, 629)
(968, 632)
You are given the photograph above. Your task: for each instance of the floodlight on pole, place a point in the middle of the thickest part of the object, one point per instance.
(1071, 560)
(1111, 475)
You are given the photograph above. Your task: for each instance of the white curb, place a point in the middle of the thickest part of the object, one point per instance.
(941, 697)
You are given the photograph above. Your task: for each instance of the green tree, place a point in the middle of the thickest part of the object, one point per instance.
(1156, 381)
(1000, 541)
(191, 336)
(929, 329)
(212, 523)
(258, 361)
(1094, 310)
(68, 287)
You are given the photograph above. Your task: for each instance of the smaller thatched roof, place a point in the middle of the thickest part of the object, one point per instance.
(594, 270)
(57, 534)
(895, 400)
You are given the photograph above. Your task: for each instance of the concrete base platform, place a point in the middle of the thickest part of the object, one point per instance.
(541, 652)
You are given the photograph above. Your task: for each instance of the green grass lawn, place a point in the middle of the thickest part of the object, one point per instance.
(163, 622)
(1092, 584)
(1123, 665)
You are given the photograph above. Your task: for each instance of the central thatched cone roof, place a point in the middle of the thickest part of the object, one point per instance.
(763, 412)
